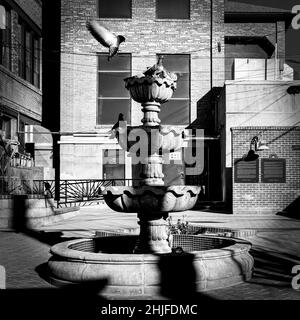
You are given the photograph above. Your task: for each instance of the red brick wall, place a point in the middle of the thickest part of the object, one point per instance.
(267, 197)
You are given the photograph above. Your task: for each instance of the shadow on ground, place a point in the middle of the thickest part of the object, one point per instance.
(273, 268)
(72, 302)
(211, 208)
(292, 210)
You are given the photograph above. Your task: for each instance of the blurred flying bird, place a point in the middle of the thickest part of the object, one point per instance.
(105, 37)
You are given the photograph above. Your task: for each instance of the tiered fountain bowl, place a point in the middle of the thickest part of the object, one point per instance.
(131, 263)
(152, 200)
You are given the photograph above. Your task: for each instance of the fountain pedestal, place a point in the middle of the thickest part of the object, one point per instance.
(151, 111)
(153, 234)
(152, 170)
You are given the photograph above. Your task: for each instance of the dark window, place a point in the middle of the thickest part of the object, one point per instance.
(177, 110)
(8, 127)
(115, 8)
(173, 9)
(36, 62)
(5, 41)
(113, 98)
(29, 55)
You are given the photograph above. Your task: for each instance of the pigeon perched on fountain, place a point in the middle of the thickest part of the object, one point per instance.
(156, 69)
(115, 129)
(105, 37)
(159, 71)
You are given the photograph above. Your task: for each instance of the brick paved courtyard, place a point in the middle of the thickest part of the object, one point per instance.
(276, 249)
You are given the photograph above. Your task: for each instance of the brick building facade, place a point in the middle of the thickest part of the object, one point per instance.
(21, 62)
(199, 39)
(219, 41)
(20, 85)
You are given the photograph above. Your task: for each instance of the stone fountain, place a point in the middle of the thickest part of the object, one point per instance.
(152, 200)
(131, 264)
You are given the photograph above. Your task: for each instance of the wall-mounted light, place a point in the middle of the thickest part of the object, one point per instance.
(261, 146)
(255, 145)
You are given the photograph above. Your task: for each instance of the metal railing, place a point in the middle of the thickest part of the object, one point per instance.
(65, 192)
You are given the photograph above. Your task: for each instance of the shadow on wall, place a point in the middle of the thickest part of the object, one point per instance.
(206, 112)
(292, 210)
(178, 277)
(20, 208)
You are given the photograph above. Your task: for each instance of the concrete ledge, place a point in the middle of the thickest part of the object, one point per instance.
(57, 215)
(36, 211)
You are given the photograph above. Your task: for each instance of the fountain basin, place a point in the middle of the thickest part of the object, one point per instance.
(79, 261)
(145, 89)
(151, 199)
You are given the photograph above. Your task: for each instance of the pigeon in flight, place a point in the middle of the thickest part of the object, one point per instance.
(105, 37)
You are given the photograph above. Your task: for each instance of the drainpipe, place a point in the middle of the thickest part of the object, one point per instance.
(211, 44)
(276, 51)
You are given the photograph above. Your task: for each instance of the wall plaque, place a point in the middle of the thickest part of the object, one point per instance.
(246, 171)
(273, 170)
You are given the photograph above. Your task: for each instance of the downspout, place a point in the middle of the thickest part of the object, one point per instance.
(211, 44)
(276, 51)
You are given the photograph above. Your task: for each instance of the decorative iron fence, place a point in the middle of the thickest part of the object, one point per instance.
(65, 192)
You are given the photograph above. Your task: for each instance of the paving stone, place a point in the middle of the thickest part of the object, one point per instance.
(276, 248)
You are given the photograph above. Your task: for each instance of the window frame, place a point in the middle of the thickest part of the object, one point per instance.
(189, 80)
(23, 65)
(8, 127)
(98, 12)
(6, 35)
(111, 97)
(172, 18)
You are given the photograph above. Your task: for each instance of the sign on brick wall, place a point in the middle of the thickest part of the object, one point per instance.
(273, 170)
(246, 171)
